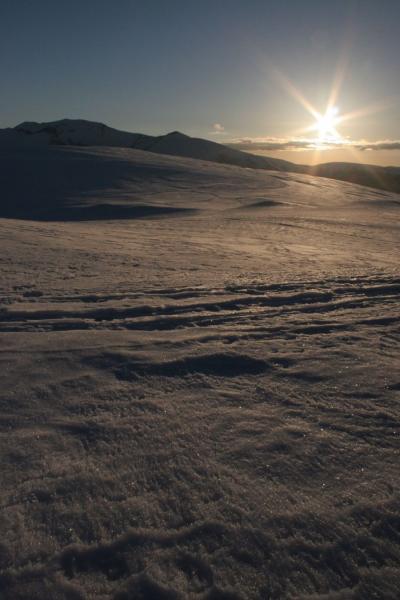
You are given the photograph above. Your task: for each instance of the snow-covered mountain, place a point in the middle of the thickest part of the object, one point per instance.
(71, 132)
(79, 132)
(75, 132)
(179, 144)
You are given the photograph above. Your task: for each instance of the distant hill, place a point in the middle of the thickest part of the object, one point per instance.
(79, 132)
(383, 178)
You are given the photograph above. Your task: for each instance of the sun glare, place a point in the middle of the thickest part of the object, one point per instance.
(326, 125)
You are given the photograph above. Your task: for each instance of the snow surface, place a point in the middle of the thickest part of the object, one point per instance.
(200, 380)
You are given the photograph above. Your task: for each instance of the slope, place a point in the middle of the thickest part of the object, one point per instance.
(202, 403)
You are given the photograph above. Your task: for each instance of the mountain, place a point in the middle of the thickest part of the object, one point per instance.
(79, 132)
(179, 144)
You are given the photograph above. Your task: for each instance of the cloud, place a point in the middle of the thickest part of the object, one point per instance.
(218, 128)
(385, 145)
(256, 145)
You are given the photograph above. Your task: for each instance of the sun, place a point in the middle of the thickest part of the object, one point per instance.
(326, 125)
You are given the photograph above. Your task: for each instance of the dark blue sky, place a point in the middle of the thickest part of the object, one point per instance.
(154, 66)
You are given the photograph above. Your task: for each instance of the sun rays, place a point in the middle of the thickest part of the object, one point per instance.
(327, 129)
(325, 125)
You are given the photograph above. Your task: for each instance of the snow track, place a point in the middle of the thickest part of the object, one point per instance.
(308, 307)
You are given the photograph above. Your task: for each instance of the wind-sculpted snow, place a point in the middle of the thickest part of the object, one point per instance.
(198, 402)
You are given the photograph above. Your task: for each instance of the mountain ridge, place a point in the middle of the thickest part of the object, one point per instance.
(82, 132)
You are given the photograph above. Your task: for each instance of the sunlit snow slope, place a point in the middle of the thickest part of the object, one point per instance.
(200, 381)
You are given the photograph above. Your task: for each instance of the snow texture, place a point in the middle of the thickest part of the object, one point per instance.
(200, 380)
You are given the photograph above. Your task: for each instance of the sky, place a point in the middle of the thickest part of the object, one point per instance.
(228, 70)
